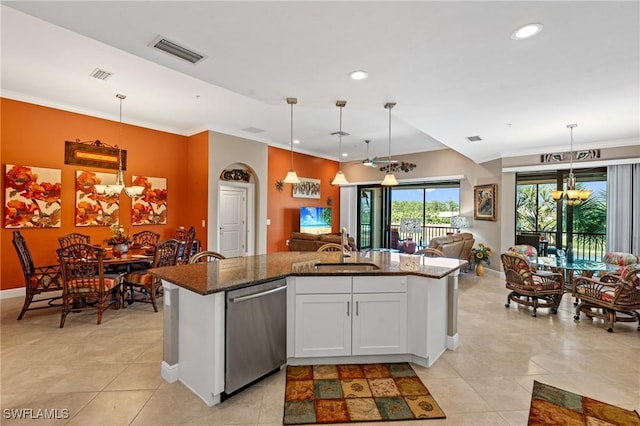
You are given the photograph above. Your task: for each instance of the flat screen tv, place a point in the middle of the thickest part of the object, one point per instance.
(315, 220)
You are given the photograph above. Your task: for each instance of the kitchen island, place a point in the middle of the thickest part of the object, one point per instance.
(369, 307)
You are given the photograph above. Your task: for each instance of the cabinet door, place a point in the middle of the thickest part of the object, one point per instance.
(379, 324)
(323, 325)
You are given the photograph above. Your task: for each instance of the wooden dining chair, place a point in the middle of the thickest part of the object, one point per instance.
(430, 252)
(187, 247)
(84, 278)
(146, 284)
(37, 279)
(145, 238)
(74, 238)
(330, 247)
(206, 256)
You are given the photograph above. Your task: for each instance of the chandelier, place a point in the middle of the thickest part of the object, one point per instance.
(118, 187)
(571, 194)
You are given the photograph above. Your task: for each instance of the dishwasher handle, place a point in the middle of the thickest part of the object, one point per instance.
(256, 295)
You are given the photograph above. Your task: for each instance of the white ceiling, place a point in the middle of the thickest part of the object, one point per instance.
(451, 67)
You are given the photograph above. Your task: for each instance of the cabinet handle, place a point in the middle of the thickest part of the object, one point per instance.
(356, 308)
(348, 308)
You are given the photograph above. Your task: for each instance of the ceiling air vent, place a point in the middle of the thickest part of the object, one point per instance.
(340, 133)
(176, 50)
(252, 129)
(474, 138)
(100, 74)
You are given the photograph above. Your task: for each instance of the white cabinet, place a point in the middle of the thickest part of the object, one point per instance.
(334, 318)
(379, 324)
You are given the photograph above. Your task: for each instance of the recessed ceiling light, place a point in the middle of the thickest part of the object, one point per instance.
(526, 31)
(358, 75)
(296, 141)
(344, 154)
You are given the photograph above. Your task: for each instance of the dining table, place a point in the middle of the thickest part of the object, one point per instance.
(571, 270)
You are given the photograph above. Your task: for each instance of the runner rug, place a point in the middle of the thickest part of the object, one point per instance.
(356, 393)
(550, 405)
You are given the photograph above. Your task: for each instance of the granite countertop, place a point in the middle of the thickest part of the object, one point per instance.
(233, 273)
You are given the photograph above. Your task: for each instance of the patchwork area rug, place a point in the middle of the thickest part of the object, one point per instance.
(356, 393)
(551, 405)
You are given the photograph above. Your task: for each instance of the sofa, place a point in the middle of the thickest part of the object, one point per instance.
(456, 246)
(302, 241)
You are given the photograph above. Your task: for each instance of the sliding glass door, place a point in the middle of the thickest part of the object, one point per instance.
(389, 215)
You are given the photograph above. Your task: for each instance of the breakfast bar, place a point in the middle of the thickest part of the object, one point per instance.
(228, 322)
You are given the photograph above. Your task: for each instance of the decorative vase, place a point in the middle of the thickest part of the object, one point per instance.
(479, 270)
(121, 248)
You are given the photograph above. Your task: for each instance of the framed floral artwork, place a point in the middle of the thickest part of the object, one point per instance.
(93, 209)
(484, 204)
(151, 207)
(32, 197)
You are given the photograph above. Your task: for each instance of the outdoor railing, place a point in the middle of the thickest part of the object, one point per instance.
(422, 237)
(586, 246)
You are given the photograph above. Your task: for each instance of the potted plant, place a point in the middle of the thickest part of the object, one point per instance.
(479, 255)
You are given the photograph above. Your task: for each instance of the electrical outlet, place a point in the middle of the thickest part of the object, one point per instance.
(287, 242)
(204, 223)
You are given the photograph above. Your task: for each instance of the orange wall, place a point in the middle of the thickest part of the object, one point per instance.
(33, 135)
(197, 184)
(282, 209)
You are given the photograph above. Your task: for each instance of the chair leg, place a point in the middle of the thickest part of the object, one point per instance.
(65, 312)
(611, 319)
(535, 306)
(152, 291)
(28, 298)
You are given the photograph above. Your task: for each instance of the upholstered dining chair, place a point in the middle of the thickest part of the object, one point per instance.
(37, 279)
(538, 289)
(206, 256)
(74, 238)
(146, 284)
(145, 238)
(330, 247)
(614, 297)
(84, 277)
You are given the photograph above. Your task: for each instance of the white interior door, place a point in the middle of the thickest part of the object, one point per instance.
(233, 221)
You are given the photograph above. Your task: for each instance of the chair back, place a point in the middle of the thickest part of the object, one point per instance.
(82, 269)
(517, 269)
(330, 247)
(529, 252)
(206, 256)
(188, 246)
(166, 253)
(74, 238)
(23, 253)
(145, 238)
(430, 252)
(620, 258)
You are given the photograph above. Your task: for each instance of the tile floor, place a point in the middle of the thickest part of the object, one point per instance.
(110, 374)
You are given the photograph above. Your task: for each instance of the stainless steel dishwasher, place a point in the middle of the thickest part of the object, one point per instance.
(256, 333)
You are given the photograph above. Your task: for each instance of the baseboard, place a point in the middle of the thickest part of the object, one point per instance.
(170, 373)
(12, 292)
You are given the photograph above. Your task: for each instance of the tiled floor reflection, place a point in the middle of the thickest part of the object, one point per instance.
(110, 374)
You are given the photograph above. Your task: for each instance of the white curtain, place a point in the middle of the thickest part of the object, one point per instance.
(623, 208)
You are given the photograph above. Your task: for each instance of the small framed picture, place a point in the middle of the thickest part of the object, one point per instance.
(484, 202)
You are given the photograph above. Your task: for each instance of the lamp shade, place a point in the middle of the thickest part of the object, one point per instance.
(291, 177)
(339, 179)
(389, 180)
(460, 222)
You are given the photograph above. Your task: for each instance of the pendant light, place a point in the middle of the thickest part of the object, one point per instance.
(291, 177)
(339, 179)
(389, 178)
(573, 195)
(118, 187)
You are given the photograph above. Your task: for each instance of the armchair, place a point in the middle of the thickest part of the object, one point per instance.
(613, 298)
(37, 279)
(538, 289)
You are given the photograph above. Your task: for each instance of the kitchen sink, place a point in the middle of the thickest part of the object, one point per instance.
(333, 267)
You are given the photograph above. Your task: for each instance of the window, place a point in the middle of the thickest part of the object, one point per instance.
(583, 224)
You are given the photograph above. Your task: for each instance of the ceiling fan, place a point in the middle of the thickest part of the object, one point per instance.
(373, 162)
